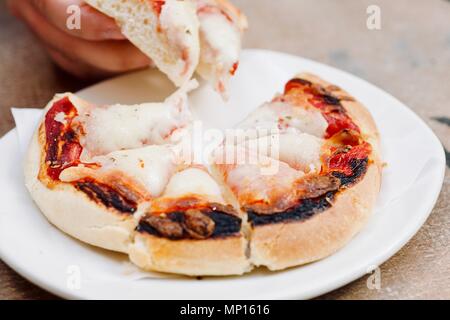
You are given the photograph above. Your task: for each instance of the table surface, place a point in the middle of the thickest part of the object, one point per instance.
(409, 58)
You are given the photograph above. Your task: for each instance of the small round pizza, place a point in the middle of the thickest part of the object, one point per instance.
(297, 191)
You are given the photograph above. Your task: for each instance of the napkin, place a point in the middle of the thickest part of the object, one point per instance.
(27, 121)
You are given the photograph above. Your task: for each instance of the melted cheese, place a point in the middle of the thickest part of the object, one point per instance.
(179, 21)
(251, 185)
(151, 166)
(300, 151)
(119, 127)
(286, 118)
(220, 41)
(194, 181)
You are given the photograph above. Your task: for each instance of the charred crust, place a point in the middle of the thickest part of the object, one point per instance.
(320, 93)
(307, 208)
(359, 168)
(331, 100)
(301, 81)
(106, 195)
(191, 224)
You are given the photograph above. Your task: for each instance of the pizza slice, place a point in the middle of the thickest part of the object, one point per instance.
(323, 181)
(165, 30)
(191, 229)
(91, 168)
(183, 36)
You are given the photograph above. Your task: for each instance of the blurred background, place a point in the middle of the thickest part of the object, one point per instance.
(407, 54)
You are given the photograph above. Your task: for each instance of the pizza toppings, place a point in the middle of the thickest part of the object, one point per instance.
(298, 91)
(191, 207)
(221, 27)
(286, 118)
(314, 186)
(234, 68)
(200, 223)
(342, 158)
(151, 167)
(63, 149)
(118, 127)
(122, 199)
(157, 5)
(317, 148)
(305, 209)
(162, 225)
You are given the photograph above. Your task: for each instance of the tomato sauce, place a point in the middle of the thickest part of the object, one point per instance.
(157, 5)
(62, 145)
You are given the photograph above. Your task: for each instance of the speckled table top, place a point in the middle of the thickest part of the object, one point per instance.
(408, 57)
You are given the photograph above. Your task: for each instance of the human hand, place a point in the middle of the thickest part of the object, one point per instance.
(96, 49)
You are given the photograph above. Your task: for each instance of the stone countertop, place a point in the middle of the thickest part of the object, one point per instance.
(408, 57)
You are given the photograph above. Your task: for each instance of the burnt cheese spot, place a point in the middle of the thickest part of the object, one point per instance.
(108, 196)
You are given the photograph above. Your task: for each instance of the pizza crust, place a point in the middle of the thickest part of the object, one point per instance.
(215, 256)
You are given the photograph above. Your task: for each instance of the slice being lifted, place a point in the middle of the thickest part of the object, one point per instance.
(182, 36)
(165, 30)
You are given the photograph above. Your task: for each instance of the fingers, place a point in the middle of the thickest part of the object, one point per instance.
(93, 24)
(109, 56)
(75, 68)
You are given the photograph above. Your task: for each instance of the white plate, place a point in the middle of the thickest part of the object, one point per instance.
(411, 183)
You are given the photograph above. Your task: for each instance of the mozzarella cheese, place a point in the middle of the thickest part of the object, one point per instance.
(151, 167)
(220, 41)
(252, 185)
(179, 22)
(286, 118)
(301, 151)
(194, 181)
(118, 127)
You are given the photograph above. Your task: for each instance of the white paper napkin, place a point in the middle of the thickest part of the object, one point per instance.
(27, 121)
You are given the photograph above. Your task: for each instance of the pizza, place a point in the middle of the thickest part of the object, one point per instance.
(183, 36)
(296, 192)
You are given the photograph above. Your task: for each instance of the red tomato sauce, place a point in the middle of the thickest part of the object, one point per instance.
(63, 149)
